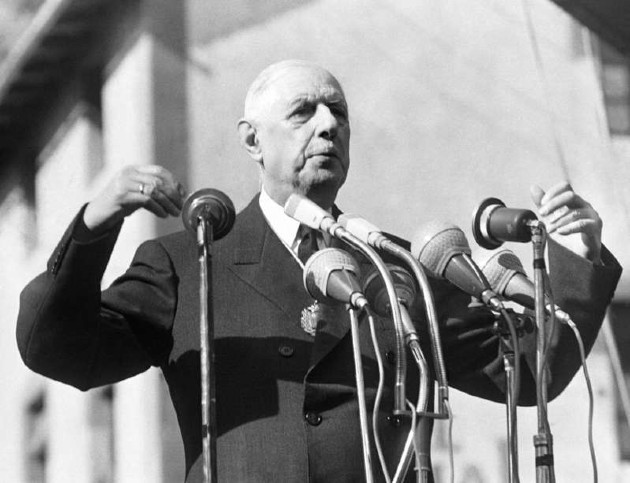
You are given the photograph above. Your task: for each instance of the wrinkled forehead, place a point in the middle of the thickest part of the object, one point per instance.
(279, 86)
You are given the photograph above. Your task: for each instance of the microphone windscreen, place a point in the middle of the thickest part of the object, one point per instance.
(330, 273)
(500, 268)
(435, 243)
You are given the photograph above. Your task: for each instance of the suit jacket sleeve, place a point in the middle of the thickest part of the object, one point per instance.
(472, 354)
(71, 332)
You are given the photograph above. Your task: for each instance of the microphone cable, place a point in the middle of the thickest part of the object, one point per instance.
(451, 454)
(432, 318)
(591, 400)
(379, 394)
(515, 389)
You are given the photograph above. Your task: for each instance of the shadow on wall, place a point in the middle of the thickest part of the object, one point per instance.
(228, 16)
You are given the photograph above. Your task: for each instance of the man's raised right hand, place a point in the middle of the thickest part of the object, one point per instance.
(147, 186)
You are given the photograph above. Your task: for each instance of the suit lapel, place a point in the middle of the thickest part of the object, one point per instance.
(261, 260)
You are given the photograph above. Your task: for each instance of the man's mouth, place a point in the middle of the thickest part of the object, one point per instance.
(329, 153)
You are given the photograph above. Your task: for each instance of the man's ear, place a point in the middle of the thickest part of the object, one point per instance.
(249, 140)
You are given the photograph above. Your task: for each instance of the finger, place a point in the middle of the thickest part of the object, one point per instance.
(164, 201)
(183, 193)
(583, 225)
(563, 216)
(153, 169)
(555, 190)
(557, 214)
(169, 186)
(142, 200)
(155, 208)
(565, 199)
(537, 194)
(154, 190)
(175, 192)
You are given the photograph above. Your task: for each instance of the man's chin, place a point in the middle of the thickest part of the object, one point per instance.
(322, 189)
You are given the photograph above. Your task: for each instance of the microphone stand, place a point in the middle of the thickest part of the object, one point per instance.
(358, 370)
(425, 424)
(431, 313)
(510, 331)
(508, 365)
(543, 441)
(512, 372)
(401, 356)
(425, 391)
(206, 333)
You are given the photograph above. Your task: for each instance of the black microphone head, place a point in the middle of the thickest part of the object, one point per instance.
(213, 204)
(500, 268)
(331, 275)
(436, 243)
(375, 291)
(493, 224)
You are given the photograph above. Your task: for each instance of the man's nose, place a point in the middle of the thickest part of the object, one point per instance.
(327, 122)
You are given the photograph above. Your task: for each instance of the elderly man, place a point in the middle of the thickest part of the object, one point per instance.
(286, 397)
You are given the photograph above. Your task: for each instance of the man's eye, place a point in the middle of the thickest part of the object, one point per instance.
(340, 112)
(303, 111)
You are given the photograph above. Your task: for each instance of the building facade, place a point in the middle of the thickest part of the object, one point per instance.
(450, 103)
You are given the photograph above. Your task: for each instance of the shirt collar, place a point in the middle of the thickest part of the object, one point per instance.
(282, 224)
(285, 227)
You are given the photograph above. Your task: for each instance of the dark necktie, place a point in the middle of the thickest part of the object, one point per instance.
(308, 244)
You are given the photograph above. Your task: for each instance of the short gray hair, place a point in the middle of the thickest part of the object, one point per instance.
(262, 81)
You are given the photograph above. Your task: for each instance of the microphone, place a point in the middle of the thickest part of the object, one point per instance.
(331, 275)
(212, 204)
(376, 292)
(493, 224)
(404, 290)
(364, 230)
(444, 251)
(312, 215)
(506, 275)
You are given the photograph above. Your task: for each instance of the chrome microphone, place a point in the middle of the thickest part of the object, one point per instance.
(312, 215)
(212, 204)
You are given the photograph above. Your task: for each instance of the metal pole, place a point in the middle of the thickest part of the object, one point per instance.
(358, 369)
(206, 334)
(543, 441)
(508, 365)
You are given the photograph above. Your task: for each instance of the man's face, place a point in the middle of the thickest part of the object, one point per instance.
(304, 134)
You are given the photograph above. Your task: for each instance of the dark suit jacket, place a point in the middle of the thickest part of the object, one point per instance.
(286, 402)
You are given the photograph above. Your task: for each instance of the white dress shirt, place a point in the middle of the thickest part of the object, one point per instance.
(285, 227)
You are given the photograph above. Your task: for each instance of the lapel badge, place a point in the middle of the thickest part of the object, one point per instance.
(310, 317)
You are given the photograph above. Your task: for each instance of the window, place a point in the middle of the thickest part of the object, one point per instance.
(36, 438)
(616, 86)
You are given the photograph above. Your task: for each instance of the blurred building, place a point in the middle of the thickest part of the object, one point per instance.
(451, 102)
